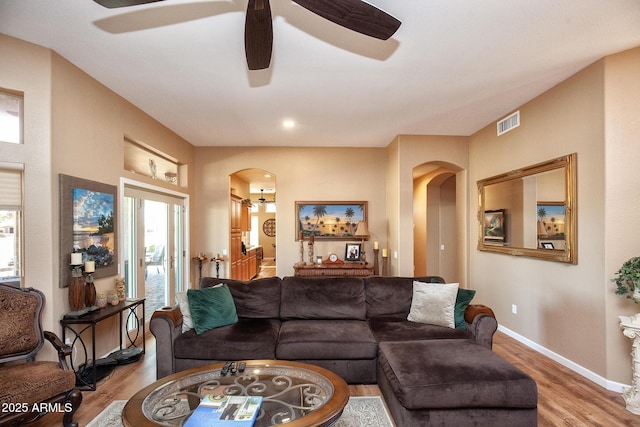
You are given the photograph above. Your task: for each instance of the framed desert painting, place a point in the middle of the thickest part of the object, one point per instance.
(329, 220)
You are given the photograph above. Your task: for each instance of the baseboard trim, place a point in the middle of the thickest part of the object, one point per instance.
(580, 370)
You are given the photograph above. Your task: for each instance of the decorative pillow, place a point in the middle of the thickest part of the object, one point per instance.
(462, 301)
(433, 303)
(211, 308)
(183, 303)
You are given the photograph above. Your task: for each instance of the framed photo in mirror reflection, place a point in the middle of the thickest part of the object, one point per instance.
(494, 227)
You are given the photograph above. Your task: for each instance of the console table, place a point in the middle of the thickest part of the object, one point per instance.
(334, 270)
(91, 319)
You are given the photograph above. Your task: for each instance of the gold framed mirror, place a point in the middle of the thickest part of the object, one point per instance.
(531, 211)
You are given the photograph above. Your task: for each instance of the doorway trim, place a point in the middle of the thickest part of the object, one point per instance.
(127, 182)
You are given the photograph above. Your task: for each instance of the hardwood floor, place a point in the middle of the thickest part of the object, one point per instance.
(565, 398)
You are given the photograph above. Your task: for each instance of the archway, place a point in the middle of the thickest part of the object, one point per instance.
(435, 233)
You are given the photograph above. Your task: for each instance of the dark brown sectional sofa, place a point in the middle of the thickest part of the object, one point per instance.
(335, 323)
(339, 324)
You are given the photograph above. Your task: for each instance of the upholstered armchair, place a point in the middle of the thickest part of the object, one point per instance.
(30, 388)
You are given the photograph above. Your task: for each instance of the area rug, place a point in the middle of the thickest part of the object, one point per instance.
(360, 412)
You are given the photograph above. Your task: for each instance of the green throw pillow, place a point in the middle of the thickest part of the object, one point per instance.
(463, 299)
(211, 308)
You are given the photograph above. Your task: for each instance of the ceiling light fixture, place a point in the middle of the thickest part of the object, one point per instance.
(262, 199)
(288, 124)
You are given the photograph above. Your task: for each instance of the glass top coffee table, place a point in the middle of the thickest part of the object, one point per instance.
(295, 394)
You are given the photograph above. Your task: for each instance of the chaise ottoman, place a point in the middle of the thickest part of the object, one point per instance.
(453, 382)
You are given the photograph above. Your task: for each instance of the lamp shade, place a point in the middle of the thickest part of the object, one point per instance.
(362, 230)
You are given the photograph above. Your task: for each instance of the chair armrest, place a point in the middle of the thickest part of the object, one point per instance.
(166, 326)
(482, 323)
(63, 349)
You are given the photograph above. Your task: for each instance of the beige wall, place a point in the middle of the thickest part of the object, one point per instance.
(27, 68)
(74, 126)
(570, 310)
(621, 225)
(302, 174)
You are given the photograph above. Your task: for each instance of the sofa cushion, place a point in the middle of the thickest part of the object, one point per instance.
(391, 296)
(255, 299)
(211, 308)
(247, 339)
(433, 303)
(392, 329)
(323, 298)
(454, 374)
(326, 339)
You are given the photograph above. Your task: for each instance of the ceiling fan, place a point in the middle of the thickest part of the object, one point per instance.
(356, 15)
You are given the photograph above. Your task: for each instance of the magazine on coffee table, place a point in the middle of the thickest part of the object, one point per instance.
(216, 410)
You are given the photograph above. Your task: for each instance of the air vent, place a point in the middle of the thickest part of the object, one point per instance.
(509, 123)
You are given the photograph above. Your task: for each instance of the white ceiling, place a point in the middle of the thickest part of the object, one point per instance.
(453, 67)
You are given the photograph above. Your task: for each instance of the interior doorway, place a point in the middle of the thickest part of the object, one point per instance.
(257, 228)
(435, 208)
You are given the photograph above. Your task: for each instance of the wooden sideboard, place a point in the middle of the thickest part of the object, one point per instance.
(334, 270)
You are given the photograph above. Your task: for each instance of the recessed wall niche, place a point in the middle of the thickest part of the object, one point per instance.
(145, 160)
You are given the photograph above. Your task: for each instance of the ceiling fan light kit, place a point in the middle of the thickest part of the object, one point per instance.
(356, 15)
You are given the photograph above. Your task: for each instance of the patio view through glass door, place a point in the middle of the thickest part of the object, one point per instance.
(153, 247)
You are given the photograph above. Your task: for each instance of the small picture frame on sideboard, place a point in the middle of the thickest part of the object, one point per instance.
(352, 252)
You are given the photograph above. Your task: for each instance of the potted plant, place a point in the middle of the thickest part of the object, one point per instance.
(627, 278)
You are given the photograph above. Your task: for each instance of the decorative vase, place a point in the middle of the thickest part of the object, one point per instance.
(112, 297)
(101, 300)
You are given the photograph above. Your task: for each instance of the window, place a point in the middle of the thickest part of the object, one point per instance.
(10, 223)
(10, 118)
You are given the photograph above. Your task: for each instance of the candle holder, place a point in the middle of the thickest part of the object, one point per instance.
(301, 240)
(310, 247)
(384, 264)
(217, 260)
(76, 288)
(89, 290)
(376, 267)
(201, 258)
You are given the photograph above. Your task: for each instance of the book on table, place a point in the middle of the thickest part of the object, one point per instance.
(216, 410)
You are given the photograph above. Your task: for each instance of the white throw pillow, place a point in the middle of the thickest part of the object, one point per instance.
(433, 303)
(183, 303)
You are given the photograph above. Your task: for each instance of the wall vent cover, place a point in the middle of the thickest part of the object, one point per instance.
(509, 123)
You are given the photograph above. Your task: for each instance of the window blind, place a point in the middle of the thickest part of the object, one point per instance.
(10, 189)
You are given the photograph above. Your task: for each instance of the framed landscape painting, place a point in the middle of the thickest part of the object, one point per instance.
(329, 220)
(88, 212)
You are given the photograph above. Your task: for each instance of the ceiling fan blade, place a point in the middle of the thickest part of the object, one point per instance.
(356, 15)
(258, 34)
(112, 4)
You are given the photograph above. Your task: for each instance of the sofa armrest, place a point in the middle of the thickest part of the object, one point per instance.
(166, 326)
(482, 323)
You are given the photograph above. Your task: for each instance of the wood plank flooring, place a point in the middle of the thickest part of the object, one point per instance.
(565, 398)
